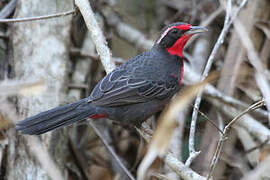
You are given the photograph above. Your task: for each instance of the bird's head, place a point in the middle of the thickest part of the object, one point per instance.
(175, 36)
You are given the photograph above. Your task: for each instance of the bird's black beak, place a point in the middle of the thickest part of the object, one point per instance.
(196, 29)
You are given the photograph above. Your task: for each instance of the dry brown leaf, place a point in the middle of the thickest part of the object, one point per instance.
(167, 123)
(264, 153)
(4, 122)
(8, 88)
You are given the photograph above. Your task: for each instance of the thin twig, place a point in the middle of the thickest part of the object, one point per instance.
(254, 127)
(96, 34)
(114, 155)
(26, 19)
(225, 133)
(258, 147)
(251, 108)
(213, 93)
(227, 23)
(209, 120)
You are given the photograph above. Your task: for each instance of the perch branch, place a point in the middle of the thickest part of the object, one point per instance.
(96, 34)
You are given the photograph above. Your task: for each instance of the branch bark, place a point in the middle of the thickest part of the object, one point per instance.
(96, 34)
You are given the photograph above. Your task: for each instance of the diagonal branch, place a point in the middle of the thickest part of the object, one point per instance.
(96, 34)
(229, 18)
(225, 133)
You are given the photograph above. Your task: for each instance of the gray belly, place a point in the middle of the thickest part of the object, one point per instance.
(135, 113)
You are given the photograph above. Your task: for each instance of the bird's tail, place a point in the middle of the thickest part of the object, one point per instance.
(55, 118)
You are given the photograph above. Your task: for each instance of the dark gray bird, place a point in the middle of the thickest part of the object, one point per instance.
(132, 92)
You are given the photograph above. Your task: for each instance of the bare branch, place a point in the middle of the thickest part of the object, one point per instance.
(181, 169)
(96, 34)
(255, 128)
(258, 147)
(209, 120)
(225, 133)
(227, 23)
(38, 17)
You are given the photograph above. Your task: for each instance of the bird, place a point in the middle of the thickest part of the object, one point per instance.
(132, 92)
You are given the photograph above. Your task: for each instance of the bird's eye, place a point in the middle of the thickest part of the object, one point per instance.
(174, 31)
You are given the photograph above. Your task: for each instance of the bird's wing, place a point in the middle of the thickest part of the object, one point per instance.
(118, 88)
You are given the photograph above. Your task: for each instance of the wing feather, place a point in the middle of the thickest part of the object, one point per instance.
(124, 88)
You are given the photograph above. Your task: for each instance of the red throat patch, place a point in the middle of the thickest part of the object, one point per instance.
(177, 48)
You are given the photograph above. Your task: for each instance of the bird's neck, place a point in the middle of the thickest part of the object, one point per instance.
(172, 57)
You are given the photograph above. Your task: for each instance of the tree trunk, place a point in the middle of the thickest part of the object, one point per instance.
(40, 53)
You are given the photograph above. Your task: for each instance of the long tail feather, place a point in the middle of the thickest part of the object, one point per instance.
(56, 118)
